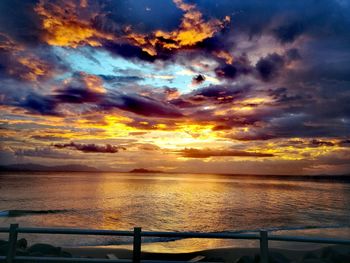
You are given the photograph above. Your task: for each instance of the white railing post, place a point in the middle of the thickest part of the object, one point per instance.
(136, 253)
(12, 243)
(264, 247)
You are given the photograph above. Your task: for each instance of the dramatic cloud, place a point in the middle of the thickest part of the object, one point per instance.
(82, 88)
(289, 32)
(65, 25)
(240, 67)
(198, 79)
(319, 143)
(47, 138)
(90, 148)
(73, 24)
(206, 153)
(270, 66)
(217, 94)
(141, 105)
(44, 152)
(266, 83)
(36, 103)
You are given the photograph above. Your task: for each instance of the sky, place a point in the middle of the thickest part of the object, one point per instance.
(242, 87)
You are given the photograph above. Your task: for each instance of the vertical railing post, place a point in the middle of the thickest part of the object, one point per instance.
(12, 243)
(136, 255)
(264, 247)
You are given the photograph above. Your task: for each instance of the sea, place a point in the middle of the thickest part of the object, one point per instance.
(173, 202)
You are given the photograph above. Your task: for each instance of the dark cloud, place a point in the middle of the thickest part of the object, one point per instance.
(138, 104)
(294, 126)
(227, 71)
(293, 54)
(289, 32)
(320, 143)
(199, 79)
(18, 21)
(144, 15)
(90, 148)
(270, 66)
(206, 153)
(240, 66)
(47, 138)
(281, 95)
(42, 152)
(218, 94)
(285, 20)
(120, 79)
(77, 94)
(314, 143)
(141, 105)
(182, 103)
(131, 52)
(344, 143)
(39, 104)
(80, 88)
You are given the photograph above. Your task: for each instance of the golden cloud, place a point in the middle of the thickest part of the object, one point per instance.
(64, 27)
(192, 30)
(8, 45)
(32, 68)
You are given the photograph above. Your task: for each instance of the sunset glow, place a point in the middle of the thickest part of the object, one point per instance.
(206, 90)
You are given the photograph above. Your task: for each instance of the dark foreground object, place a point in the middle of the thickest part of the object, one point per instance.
(328, 255)
(36, 250)
(331, 254)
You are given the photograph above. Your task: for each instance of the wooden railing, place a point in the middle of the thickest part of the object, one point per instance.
(137, 234)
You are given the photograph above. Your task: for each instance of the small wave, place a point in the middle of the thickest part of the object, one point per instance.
(15, 213)
(271, 229)
(120, 241)
(290, 228)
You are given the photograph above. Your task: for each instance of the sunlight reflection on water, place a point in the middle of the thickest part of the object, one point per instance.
(171, 202)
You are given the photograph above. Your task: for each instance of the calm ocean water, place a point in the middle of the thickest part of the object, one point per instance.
(172, 202)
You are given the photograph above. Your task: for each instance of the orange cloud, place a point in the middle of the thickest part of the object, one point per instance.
(206, 153)
(64, 27)
(27, 67)
(8, 45)
(192, 30)
(93, 82)
(224, 55)
(31, 68)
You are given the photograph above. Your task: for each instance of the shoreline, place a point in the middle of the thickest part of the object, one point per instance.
(231, 254)
(329, 178)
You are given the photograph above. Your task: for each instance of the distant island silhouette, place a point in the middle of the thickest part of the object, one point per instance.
(31, 167)
(143, 170)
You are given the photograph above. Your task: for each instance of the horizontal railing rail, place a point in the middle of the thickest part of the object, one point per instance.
(137, 235)
(318, 240)
(92, 260)
(70, 231)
